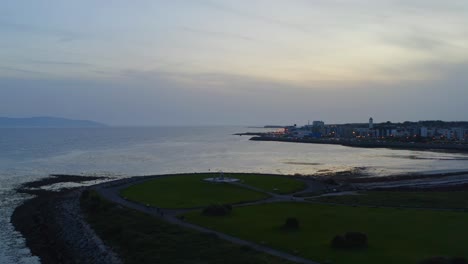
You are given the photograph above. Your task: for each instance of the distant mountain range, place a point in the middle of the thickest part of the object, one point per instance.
(46, 122)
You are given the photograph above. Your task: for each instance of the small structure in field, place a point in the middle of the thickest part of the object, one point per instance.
(221, 178)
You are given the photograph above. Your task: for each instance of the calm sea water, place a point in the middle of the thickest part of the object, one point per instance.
(27, 154)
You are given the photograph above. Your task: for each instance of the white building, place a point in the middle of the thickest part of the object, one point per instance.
(318, 124)
(459, 133)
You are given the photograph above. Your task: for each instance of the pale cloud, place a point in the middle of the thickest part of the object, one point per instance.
(61, 63)
(31, 29)
(19, 70)
(218, 34)
(235, 58)
(316, 40)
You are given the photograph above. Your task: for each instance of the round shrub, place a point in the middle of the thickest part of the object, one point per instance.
(291, 223)
(338, 242)
(356, 239)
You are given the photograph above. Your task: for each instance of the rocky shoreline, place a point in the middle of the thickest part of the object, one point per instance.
(55, 229)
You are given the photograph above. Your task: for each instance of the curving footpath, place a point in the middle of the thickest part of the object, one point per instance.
(110, 191)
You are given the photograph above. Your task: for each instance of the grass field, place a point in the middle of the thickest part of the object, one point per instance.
(395, 235)
(455, 199)
(139, 238)
(271, 183)
(188, 191)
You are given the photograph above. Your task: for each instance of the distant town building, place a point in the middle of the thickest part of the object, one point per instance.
(318, 124)
(459, 133)
(423, 132)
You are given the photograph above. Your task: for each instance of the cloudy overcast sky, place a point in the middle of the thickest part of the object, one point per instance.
(245, 62)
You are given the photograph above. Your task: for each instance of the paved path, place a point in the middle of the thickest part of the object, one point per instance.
(442, 181)
(110, 191)
(313, 186)
(388, 206)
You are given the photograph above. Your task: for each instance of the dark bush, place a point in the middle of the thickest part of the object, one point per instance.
(339, 242)
(217, 210)
(291, 223)
(350, 240)
(356, 239)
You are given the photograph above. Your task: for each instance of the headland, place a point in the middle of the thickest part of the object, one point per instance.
(151, 218)
(422, 135)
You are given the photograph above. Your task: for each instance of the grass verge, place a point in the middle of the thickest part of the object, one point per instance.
(188, 191)
(395, 235)
(454, 199)
(140, 238)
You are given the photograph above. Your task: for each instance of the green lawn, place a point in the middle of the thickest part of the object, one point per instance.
(139, 239)
(395, 235)
(271, 183)
(188, 191)
(455, 199)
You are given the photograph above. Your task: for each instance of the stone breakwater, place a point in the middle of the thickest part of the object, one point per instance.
(76, 233)
(56, 231)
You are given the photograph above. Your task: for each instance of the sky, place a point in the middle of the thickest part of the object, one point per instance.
(244, 62)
